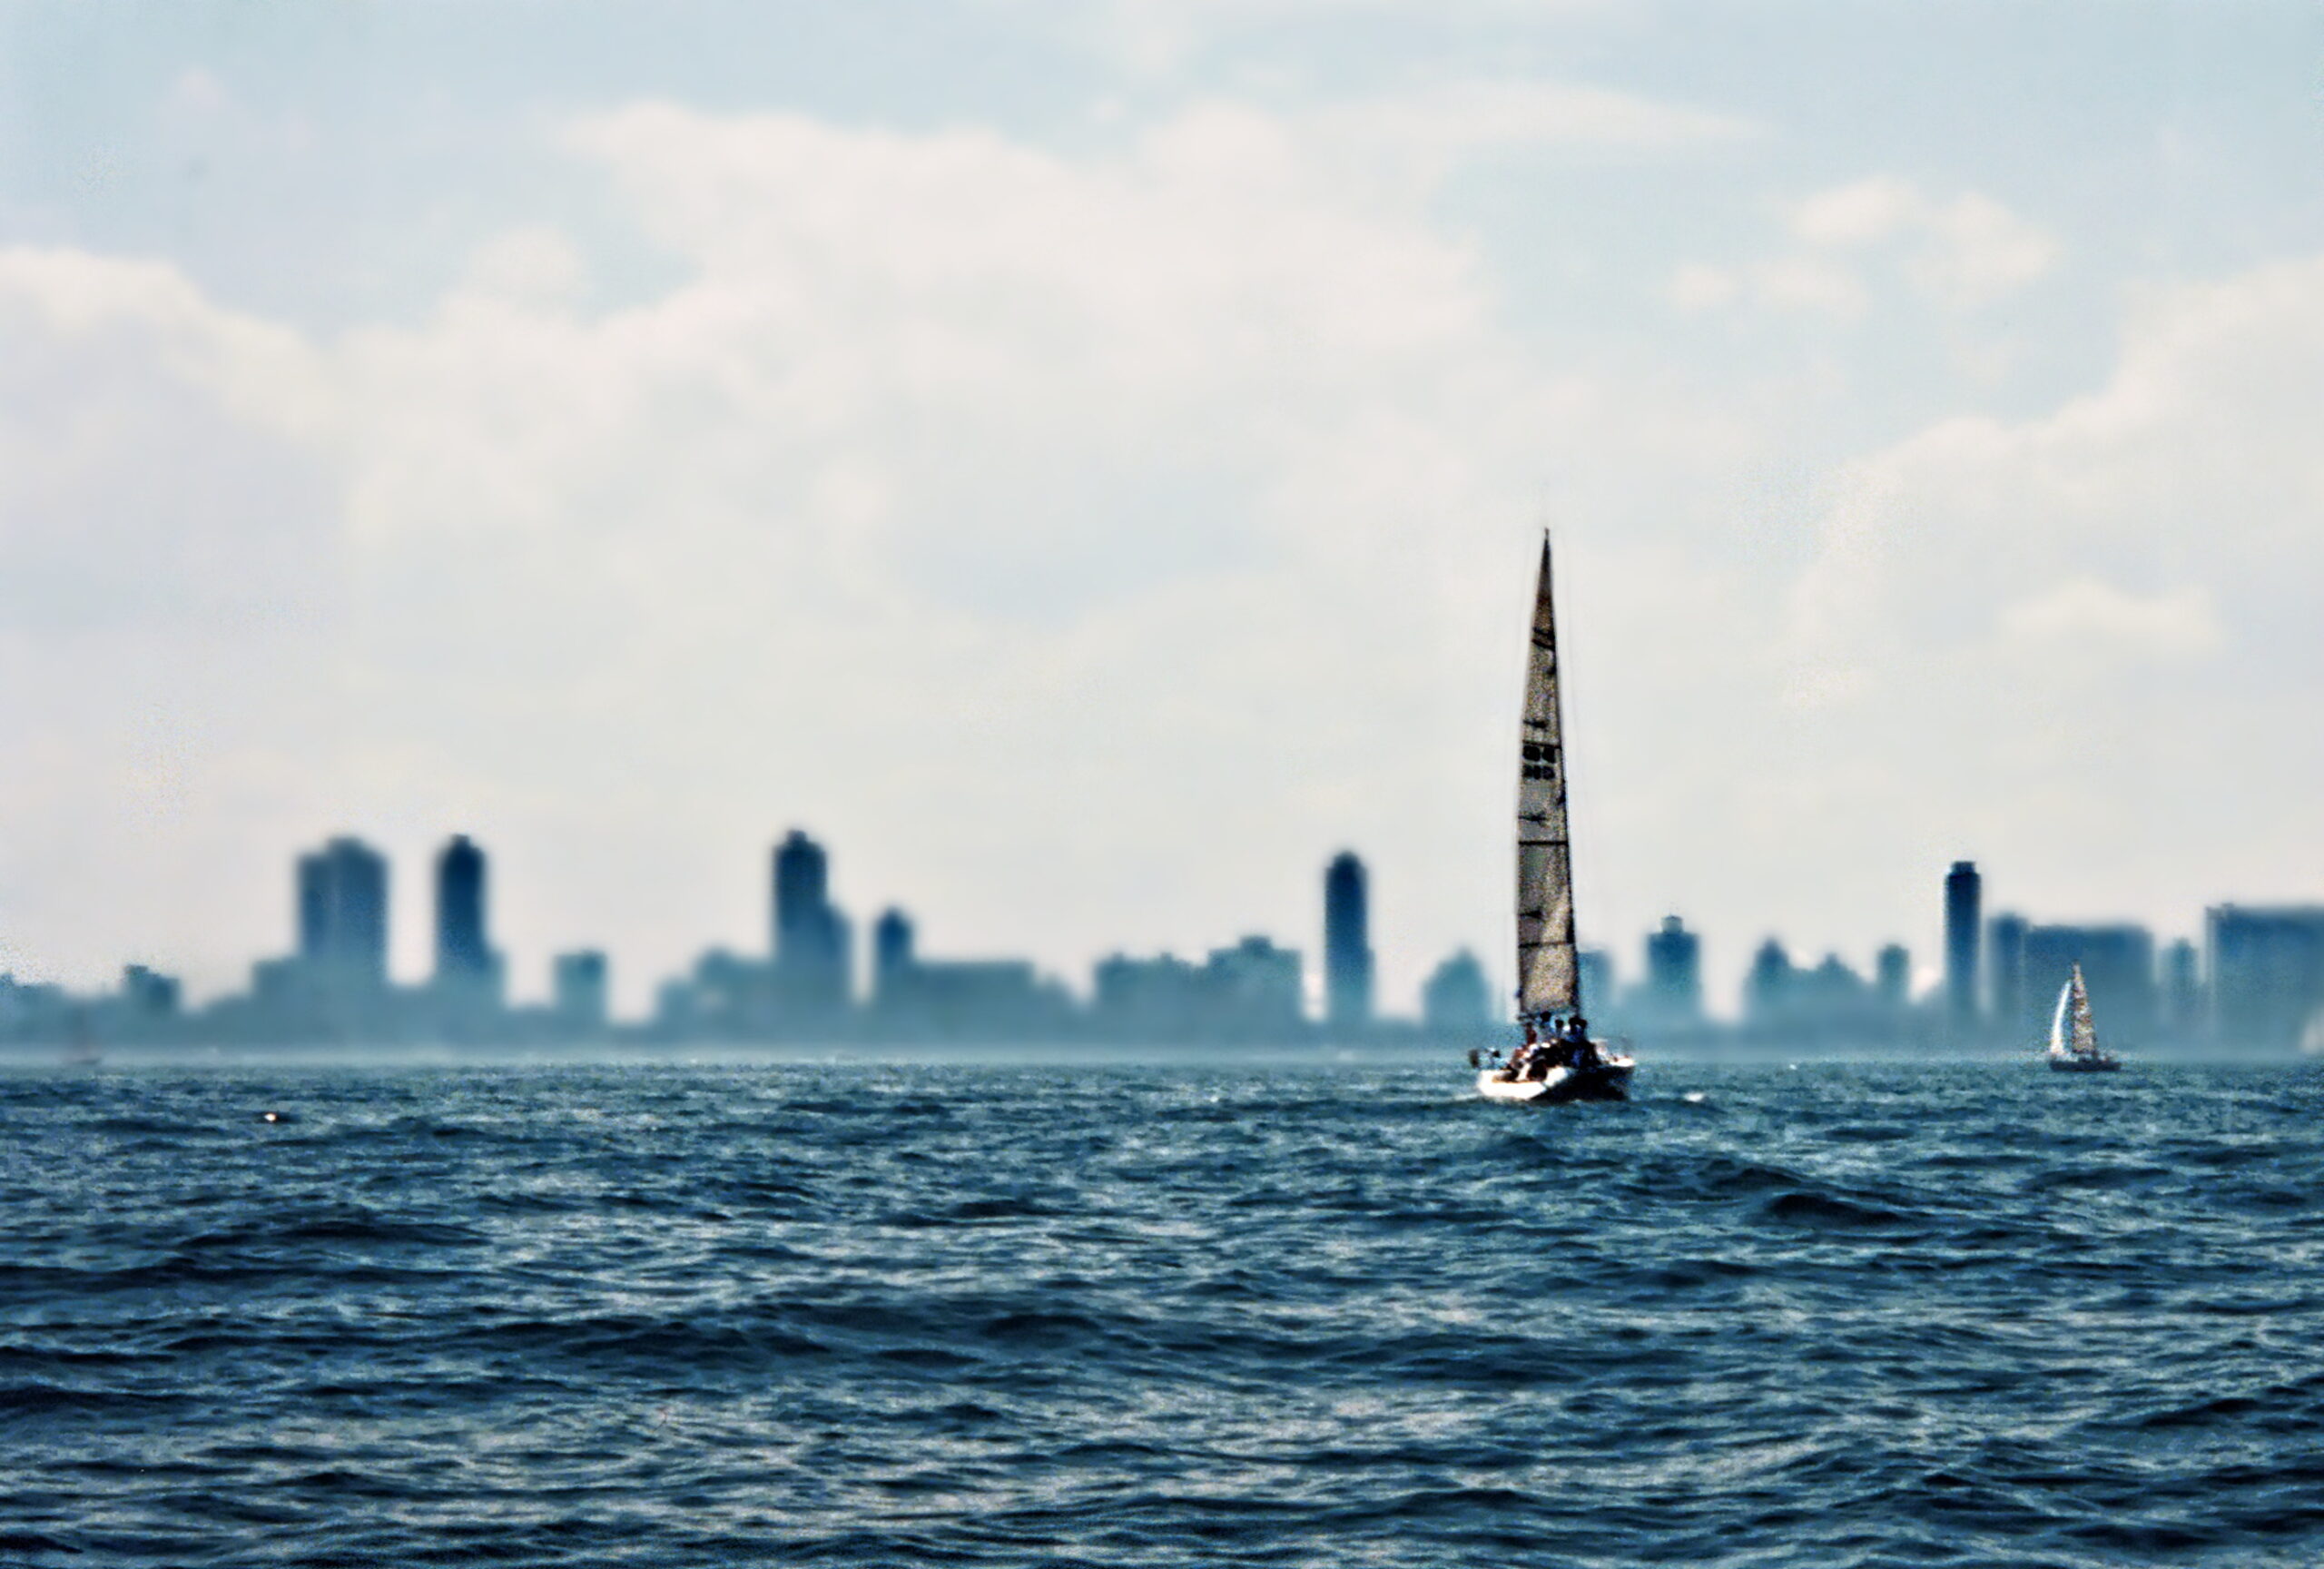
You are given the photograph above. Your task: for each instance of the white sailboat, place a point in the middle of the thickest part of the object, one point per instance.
(2073, 1034)
(1558, 1061)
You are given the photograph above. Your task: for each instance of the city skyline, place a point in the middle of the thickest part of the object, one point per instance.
(1087, 459)
(2257, 979)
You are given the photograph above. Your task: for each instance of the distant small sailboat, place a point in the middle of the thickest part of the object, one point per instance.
(2073, 1034)
(1558, 1061)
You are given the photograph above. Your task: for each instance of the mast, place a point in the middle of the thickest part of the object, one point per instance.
(1547, 982)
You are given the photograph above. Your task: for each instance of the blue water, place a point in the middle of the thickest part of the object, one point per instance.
(1197, 1314)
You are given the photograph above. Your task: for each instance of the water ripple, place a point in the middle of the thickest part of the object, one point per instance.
(1185, 1316)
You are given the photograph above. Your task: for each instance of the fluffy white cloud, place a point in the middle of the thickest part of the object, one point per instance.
(1962, 255)
(2078, 638)
(1083, 546)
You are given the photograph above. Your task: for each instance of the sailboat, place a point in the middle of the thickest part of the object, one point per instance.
(2073, 1034)
(1559, 1061)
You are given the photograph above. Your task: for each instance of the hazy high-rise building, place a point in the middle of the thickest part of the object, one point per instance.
(802, 893)
(811, 935)
(2267, 974)
(342, 908)
(1347, 944)
(1892, 977)
(1593, 975)
(2012, 1008)
(1769, 986)
(463, 950)
(1155, 999)
(1457, 1000)
(1253, 990)
(892, 953)
(147, 993)
(2182, 990)
(579, 987)
(314, 907)
(1962, 891)
(1674, 972)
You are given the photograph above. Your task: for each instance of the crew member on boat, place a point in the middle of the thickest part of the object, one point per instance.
(1521, 1061)
(1579, 1052)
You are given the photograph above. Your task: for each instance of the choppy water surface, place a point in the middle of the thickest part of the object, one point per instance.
(1192, 1315)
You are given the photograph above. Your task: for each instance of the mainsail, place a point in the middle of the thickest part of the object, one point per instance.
(2072, 1032)
(1547, 981)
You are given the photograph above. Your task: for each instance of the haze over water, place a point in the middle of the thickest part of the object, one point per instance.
(1182, 1314)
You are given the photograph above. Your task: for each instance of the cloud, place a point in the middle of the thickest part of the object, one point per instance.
(2093, 621)
(1440, 126)
(1161, 38)
(1083, 546)
(2093, 611)
(1863, 214)
(1962, 254)
(1035, 528)
(162, 461)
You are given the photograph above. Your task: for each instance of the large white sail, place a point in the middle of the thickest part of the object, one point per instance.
(1546, 978)
(2082, 1036)
(2072, 1032)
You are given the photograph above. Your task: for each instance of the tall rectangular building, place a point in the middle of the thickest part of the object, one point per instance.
(1347, 944)
(1892, 970)
(464, 956)
(343, 911)
(892, 955)
(1674, 973)
(2182, 990)
(2013, 1010)
(2267, 974)
(811, 937)
(1457, 999)
(1595, 984)
(1962, 891)
(580, 990)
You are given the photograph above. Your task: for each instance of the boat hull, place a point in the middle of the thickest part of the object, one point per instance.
(2062, 1064)
(1610, 1080)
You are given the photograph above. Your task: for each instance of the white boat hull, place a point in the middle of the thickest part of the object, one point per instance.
(1610, 1080)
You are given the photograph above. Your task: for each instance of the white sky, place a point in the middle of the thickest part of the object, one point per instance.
(1080, 461)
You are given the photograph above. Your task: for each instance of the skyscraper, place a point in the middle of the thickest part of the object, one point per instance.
(464, 955)
(1963, 889)
(1347, 944)
(2182, 990)
(342, 908)
(1892, 971)
(811, 935)
(1674, 973)
(2013, 1008)
(579, 986)
(802, 893)
(891, 954)
(314, 907)
(1593, 973)
(2267, 974)
(1457, 999)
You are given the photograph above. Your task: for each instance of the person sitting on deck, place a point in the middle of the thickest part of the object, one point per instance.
(1577, 1048)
